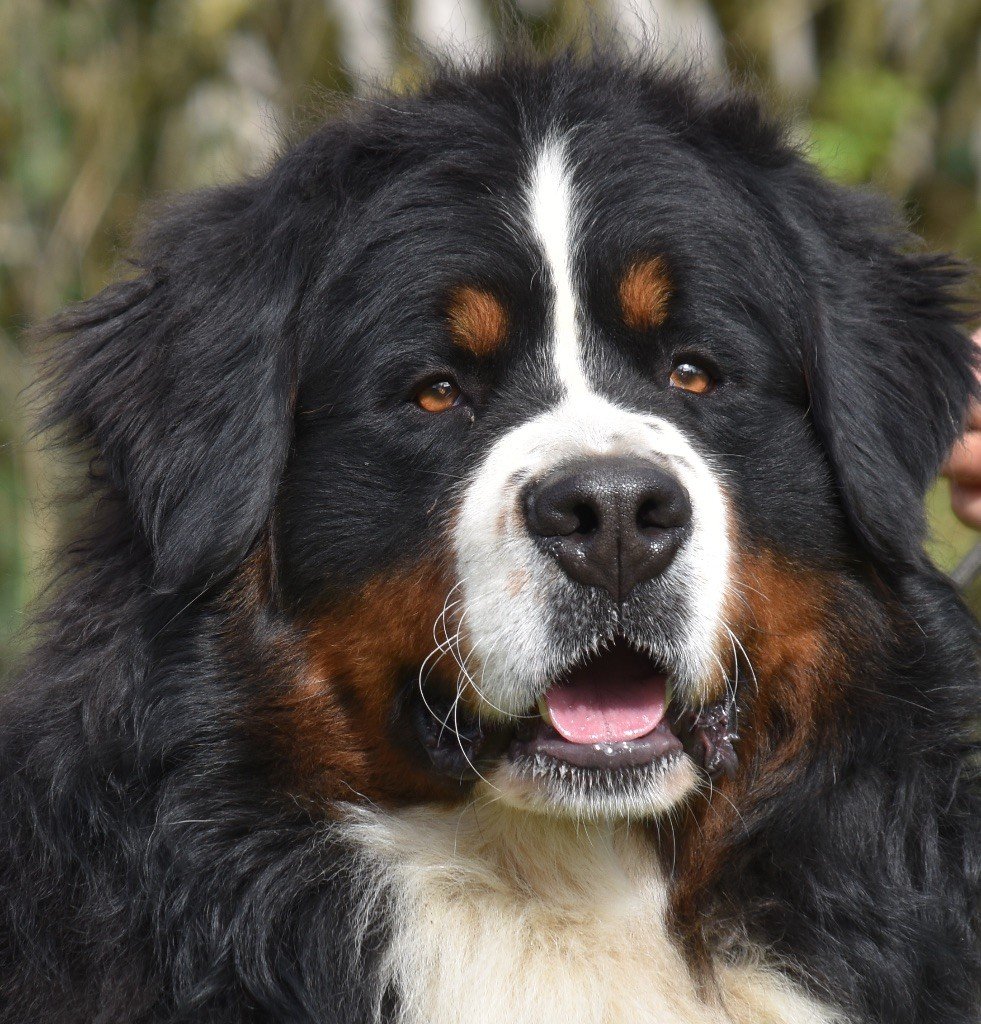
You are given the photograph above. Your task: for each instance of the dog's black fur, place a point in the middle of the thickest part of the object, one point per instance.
(246, 391)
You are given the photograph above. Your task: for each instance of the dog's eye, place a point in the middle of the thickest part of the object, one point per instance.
(439, 396)
(690, 377)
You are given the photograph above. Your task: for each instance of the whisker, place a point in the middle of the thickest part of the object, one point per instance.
(473, 767)
(749, 664)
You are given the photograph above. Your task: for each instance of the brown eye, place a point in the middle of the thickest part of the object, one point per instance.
(438, 397)
(690, 377)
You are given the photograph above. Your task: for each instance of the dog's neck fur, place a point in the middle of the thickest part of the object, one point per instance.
(505, 916)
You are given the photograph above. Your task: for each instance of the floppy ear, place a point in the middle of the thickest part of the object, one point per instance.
(890, 373)
(181, 380)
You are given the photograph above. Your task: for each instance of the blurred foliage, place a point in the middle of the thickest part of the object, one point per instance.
(105, 104)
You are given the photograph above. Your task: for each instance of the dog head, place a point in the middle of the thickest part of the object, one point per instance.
(548, 414)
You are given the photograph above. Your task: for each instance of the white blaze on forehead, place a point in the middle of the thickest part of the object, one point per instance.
(551, 210)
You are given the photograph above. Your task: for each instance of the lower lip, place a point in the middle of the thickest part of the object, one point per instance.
(657, 745)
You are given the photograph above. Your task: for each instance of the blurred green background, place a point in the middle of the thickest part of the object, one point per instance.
(105, 104)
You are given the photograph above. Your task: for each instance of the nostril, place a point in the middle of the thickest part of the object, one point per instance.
(560, 507)
(552, 514)
(649, 517)
(587, 519)
(665, 511)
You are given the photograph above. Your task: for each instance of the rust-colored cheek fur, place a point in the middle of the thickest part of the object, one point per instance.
(329, 716)
(796, 624)
(786, 617)
(645, 291)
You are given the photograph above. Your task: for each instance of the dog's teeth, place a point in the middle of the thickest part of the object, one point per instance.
(543, 710)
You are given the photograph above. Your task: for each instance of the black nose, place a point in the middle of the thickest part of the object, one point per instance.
(609, 522)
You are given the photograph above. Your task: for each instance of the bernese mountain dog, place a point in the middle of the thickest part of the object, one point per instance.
(498, 593)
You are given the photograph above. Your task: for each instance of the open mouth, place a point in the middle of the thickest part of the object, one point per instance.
(609, 713)
(606, 729)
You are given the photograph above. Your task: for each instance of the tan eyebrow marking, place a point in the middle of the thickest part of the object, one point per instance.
(478, 321)
(644, 294)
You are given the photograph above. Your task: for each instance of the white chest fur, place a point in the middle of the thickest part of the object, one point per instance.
(502, 917)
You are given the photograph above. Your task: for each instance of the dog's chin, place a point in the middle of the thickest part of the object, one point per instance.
(602, 741)
(545, 783)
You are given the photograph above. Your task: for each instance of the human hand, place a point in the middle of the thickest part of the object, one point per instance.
(963, 468)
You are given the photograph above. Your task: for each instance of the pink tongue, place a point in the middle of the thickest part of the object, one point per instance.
(615, 698)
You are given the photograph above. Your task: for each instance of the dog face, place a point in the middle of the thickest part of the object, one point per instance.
(562, 411)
